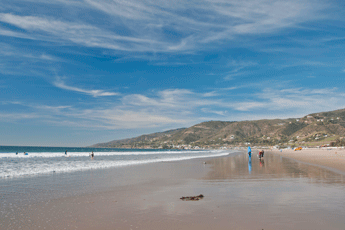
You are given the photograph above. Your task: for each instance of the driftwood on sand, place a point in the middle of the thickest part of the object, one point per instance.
(194, 198)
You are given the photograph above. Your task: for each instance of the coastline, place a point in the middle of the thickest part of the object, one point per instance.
(332, 158)
(272, 194)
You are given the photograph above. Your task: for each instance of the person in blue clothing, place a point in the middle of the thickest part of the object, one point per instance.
(249, 151)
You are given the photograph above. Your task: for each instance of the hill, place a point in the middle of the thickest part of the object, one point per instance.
(311, 130)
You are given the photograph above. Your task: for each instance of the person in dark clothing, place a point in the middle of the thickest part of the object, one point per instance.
(261, 154)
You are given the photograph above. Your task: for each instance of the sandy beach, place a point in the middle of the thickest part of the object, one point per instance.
(332, 158)
(274, 193)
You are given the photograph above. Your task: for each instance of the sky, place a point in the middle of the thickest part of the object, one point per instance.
(80, 72)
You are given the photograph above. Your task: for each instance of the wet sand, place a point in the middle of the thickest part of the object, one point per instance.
(276, 193)
(331, 158)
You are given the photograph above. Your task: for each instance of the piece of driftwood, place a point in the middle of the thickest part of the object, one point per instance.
(193, 198)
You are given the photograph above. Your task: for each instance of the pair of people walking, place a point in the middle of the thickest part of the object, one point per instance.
(261, 153)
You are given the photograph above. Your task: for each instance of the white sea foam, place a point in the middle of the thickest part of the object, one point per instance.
(45, 163)
(87, 154)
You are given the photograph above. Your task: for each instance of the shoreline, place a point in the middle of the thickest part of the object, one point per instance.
(333, 159)
(148, 197)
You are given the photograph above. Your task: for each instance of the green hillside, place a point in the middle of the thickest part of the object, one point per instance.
(311, 130)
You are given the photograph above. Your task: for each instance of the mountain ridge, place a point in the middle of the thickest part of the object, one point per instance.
(310, 130)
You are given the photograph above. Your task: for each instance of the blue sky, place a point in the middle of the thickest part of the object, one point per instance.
(79, 72)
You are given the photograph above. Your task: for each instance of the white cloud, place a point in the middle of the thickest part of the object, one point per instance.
(17, 116)
(221, 113)
(171, 98)
(82, 34)
(95, 92)
(146, 26)
(300, 99)
(238, 68)
(181, 108)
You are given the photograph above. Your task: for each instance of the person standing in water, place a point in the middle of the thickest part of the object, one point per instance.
(66, 152)
(92, 155)
(249, 151)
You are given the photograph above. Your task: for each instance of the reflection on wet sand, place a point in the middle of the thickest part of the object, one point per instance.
(237, 193)
(271, 166)
(250, 165)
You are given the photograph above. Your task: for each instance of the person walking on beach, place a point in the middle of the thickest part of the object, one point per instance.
(249, 151)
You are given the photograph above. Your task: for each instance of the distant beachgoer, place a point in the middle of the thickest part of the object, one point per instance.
(92, 155)
(26, 153)
(249, 151)
(261, 154)
(66, 152)
(16, 153)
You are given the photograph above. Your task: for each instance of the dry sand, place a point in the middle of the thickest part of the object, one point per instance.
(332, 158)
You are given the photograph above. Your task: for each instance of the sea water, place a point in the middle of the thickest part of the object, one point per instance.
(51, 160)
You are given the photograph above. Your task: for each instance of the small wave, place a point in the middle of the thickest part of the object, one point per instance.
(11, 170)
(86, 154)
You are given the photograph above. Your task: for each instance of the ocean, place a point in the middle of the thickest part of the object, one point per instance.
(52, 160)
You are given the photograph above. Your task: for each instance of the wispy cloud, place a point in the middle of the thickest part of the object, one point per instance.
(78, 33)
(95, 92)
(238, 68)
(221, 113)
(295, 99)
(147, 26)
(17, 116)
(180, 108)
(11, 51)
